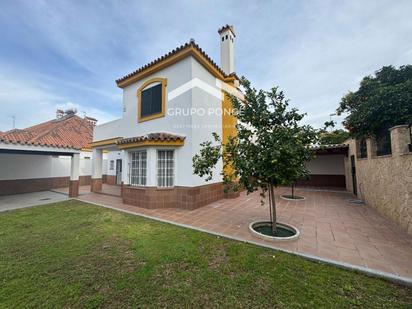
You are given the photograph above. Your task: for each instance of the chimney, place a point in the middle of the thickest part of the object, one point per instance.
(90, 120)
(227, 49)
(59, 113)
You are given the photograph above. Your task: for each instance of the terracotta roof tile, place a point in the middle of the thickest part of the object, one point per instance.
(159, 136)
(188, 45)
(70, 131)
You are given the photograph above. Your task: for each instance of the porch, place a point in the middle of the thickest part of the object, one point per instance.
(332, 228)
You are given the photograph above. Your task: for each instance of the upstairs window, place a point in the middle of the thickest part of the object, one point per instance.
(151, 99)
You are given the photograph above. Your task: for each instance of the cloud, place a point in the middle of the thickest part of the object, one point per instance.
(31, 103)
(55, 52)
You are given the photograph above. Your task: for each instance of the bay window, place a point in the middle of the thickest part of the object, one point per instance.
(165, 168)
(138, 168)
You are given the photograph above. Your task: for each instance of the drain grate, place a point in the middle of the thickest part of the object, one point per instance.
(45, 199)
(356, 202)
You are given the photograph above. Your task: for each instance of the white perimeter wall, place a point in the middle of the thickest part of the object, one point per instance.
(21, 166)
(327, 165)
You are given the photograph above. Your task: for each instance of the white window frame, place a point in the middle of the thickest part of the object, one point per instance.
(139, 176)
(111, 165)
(173, 176)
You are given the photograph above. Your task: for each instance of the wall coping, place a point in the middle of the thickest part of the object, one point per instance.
(398, 127)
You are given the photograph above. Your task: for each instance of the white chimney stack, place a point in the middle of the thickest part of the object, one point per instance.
(227, 49)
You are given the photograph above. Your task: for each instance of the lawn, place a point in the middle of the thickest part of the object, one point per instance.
(73, 254)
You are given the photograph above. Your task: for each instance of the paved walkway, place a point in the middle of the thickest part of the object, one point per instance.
(10, 202)
(106, 189)
(331, 227)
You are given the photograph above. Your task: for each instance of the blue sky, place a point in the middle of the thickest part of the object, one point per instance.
(69, 53)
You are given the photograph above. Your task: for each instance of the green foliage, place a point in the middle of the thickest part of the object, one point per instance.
(334, 137)
(271, 146)
(382, 101)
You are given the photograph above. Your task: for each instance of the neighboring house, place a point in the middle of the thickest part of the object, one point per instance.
(40, 157)
(170, 106)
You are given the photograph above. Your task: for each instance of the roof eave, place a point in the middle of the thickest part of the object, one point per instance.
(166, 61)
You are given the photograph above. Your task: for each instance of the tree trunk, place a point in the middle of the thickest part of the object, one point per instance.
(272, 206)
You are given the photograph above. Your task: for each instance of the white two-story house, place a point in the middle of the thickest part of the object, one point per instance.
(170, 106)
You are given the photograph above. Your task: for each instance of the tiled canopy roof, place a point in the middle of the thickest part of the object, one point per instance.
(331, 146)
(70, 131)
(331, 149)
(177, 50)
(158, 137)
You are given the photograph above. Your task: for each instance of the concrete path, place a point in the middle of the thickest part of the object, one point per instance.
(16, 201)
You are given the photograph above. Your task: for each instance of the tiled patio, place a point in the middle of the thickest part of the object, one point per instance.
(331, 228)
(106, 189)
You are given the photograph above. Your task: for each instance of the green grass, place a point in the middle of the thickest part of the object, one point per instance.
(73, 254)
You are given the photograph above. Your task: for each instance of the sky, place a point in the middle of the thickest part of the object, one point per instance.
(64, 54)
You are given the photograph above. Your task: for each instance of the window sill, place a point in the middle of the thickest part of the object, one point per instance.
(151, 117)
(150, 187)
(164, 188)
(137, 187)
(384, 156)
(361, 159)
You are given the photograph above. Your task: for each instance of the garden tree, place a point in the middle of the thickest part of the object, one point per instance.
(270, 148)
(381, 102)
(337, 136)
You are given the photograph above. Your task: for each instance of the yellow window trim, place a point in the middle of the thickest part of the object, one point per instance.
(152, 143)
(105, 142)
(163, 82)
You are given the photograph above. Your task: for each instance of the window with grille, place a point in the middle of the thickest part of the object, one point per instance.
(383, 143)
(111, 167)
(363, 150)
(165, 168)
(138, 168)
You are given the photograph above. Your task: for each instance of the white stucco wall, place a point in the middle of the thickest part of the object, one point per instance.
(327, 165)
(112, 156)
(196, 128)
(22, 166)
(205, 125)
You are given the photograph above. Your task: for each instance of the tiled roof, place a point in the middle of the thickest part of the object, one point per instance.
(181, 48)
(70, 131)
(152, 137)
(331, 149)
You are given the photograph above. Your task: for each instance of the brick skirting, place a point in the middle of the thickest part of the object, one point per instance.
(96, 185)
(176, 197)
(110, 180)
(74, 188)
(17, 186)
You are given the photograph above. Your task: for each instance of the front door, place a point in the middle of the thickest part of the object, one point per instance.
(353, 168)
(119, 172)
